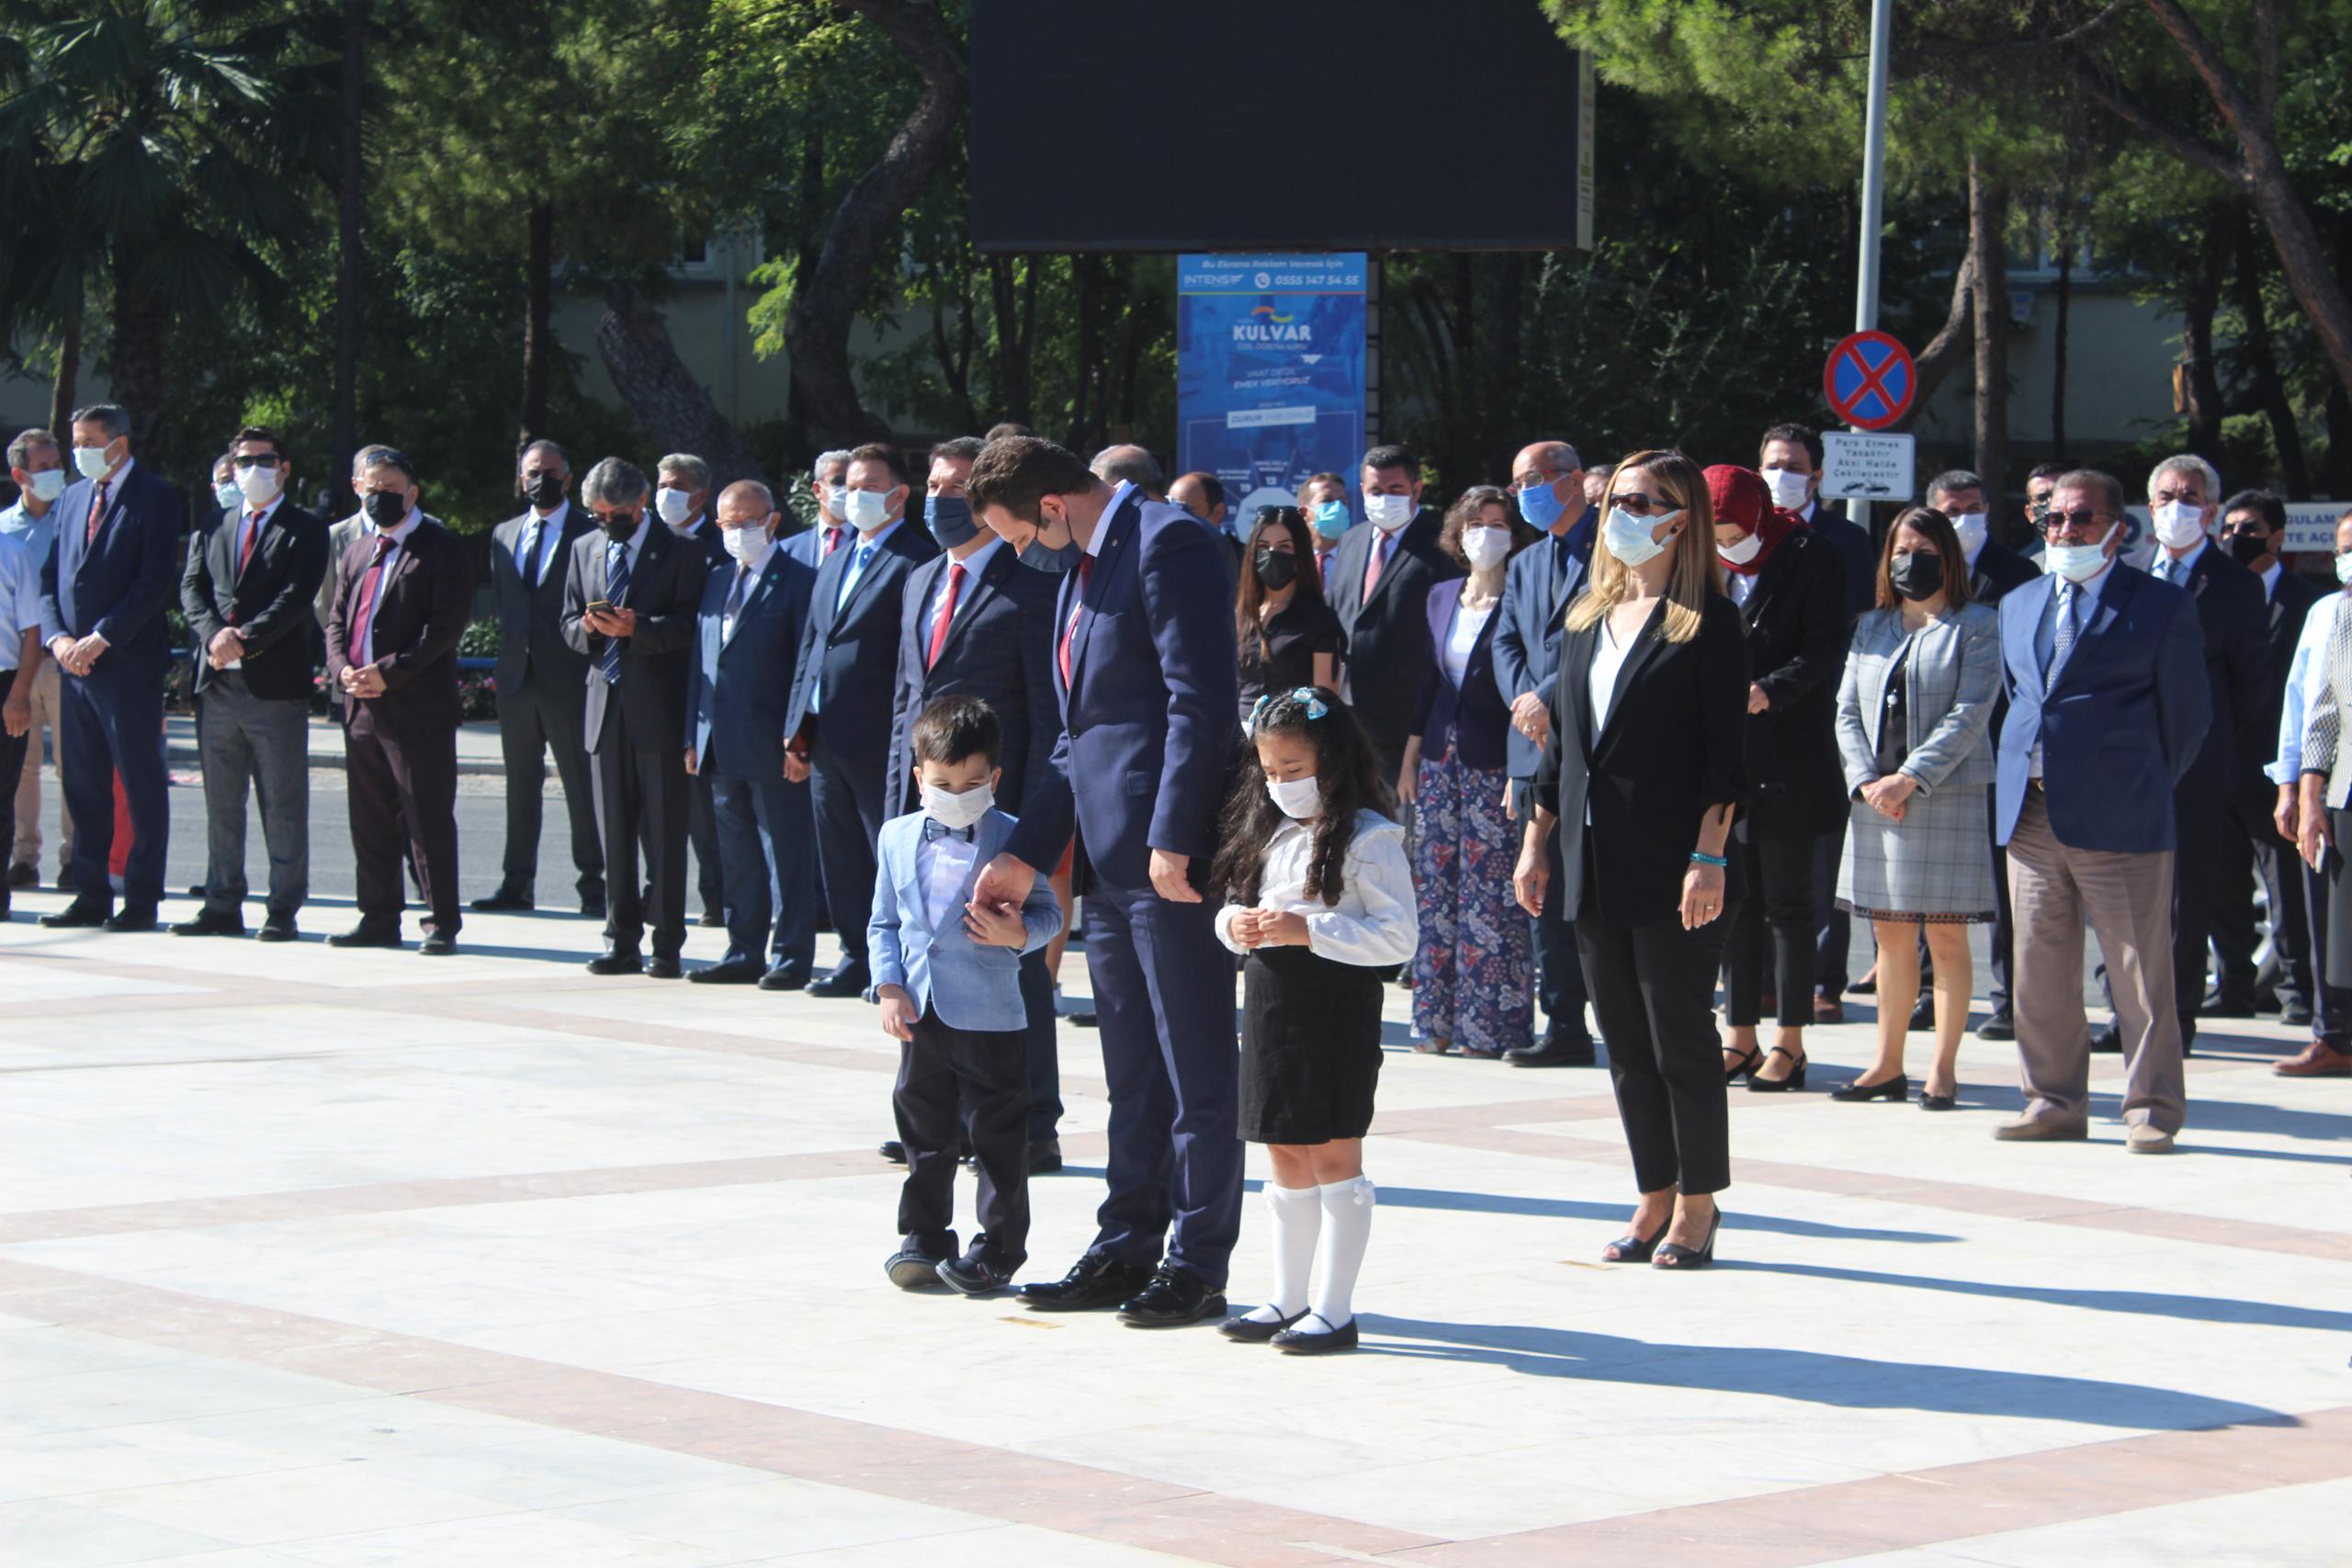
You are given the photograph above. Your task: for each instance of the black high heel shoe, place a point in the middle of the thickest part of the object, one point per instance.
(1896, 1089)
(1632, 1249)
(1675, 1256)
(1746, 1068)
(1795, 1080)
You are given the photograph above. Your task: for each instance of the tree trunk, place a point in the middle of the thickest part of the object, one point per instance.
(824, 298)
(2202, 375)
(346, 438)
(140, 372)
(2269, 390)
(675, 410)
(1086, 413)
(1988, 207)
(539, 332)
(800, 419)
(2058, 341)
(1013, 344)
(67, 384)
(1954, 340)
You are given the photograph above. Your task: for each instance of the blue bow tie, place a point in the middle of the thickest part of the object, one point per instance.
(933, 829)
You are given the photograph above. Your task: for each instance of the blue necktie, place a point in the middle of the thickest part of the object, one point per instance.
(615, 584)
(857, 564)
(527, 559)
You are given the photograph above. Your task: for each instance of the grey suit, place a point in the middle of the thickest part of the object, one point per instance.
(542, 683)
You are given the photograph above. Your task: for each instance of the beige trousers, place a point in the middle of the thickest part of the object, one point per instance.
(27, 836)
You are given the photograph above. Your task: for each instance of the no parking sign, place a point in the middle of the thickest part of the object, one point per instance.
(1870, 380)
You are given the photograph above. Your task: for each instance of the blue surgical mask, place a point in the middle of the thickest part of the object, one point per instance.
(2075, 563)
(949, 518)
(1541, 507)
(1629, 538)
(1052, 559)
(1331, 519)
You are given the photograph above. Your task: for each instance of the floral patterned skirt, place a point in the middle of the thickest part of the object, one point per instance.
(1473, 975)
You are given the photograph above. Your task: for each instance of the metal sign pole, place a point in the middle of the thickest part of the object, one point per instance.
(1873, 193)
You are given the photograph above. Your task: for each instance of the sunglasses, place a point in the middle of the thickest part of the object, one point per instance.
(2082, 520)
(1637, 503)
(263, 461)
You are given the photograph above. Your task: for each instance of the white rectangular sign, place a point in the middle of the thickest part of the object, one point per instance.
(1867, 465)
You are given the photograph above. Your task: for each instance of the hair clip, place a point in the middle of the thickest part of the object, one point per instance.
(1313, 704)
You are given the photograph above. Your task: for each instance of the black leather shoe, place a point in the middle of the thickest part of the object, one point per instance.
(275, 929)
(2108, 1039)
(727, 972)
(1247, 1330)
(892, 1150)
(711, 918)
(2002, 1025)
(1082, 1020)
(912, 1269)
(1895, 1090)
(1175, 1297)
(1316, 1340)
(849, 980)
(369, 933)
(591, 906)
(1095, 1281)
(129, 919)
(613, 961)
(76, 914)
(24, 874)
(2295, 1015)
(973, 1275)
(1554, 1051)
(1923, 1014)
(1044, 1156)
(210, 922)
(788, 975)
(663, 967)
(504, 900)
(436, 944)
(2225, 1007)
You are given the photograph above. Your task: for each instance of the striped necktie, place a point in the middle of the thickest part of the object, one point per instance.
(2062, 637)
(615, 584)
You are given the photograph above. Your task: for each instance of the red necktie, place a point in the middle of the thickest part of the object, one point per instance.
(97, 514)
(1077, 609)
(253, 538)
(946, 613)
(832, 540)
(1379, 559)
(363, 615)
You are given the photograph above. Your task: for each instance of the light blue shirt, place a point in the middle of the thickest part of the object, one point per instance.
(2305, 672)
(863, 552)
(19, 596)
(38, 535)
(2176, 572)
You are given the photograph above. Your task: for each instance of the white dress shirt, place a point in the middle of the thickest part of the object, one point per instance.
(942, 865)
(1739, 585)
(1374, 922)
(2304, 673)
(550, 535)
(2270, 581)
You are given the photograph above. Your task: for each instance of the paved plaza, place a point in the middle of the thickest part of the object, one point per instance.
(314, 1257)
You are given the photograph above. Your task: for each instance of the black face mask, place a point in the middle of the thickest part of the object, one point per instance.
(544, 491)
(385, 508)
(2248, 548)
(619, 526)
(1275, 570)
(1917, 575)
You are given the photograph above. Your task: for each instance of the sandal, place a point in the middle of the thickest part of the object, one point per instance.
(1745, 1066)
(1795, 1080)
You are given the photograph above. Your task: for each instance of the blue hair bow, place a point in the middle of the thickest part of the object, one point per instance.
(1303, 695)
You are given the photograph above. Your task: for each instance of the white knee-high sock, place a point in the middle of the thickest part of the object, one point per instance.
(1297, 1215)
(1346, 1228)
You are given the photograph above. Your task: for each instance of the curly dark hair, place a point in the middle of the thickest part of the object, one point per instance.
(1348, 768)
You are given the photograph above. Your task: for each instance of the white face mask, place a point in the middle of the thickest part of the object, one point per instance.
(1300, 799)
(2179, 524)
(2075, 563)
(91, 462)
(671, 503)
(1970, 526)
(1629, 538)
(1390, 512)
(1486, 547)
(955, 811)
(1743, 552)
(257, 484)
(2344, 570)
(866, 509)
(746, 543)
(834, 500)
(47, 485)
(1789, 487)
(228, 494)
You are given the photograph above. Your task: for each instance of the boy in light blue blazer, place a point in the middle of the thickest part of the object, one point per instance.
(947, 973)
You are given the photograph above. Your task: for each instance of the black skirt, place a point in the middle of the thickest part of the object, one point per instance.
(1310, 1047)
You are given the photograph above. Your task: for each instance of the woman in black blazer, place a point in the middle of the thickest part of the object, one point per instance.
(1641, 774)
(1789, 585)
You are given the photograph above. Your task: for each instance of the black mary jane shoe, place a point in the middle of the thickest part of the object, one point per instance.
(1896, 1089)
(1749, 1060)
(1674, 1255)
(1246, 1330)
(1795, 1080)
(1316, 1341)
(1939, 1101)
(1632, 1248)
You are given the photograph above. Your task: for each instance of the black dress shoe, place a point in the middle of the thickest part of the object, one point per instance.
(2002, 1025)
(1554, 1051)
(664, 968)
(711, 918)
(849, 980)
(893, 1151)
(1175, 1297)
(972, 1275)
(788, 975)
(1082, 1020)
(1044, 1156)
(2107, 1039)
(1895, 1090)
(1247, 1330)
(276, 930)
(369, 933)
(77, 913)
(2225, 1007)
(129, 920)
(505, 899)
(727, 972)
(591, 906)
(24, 874)
(1317, 1340)
(1095, 1281)
(613, 961)
(1923, 1014)
(437, 944)
(2295, 1015)
(912, 1269)
(210, 922)
(1939, 1101)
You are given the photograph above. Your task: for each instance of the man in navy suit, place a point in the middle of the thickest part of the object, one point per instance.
(110, 573)
(839, 719)
(1144, 663)
(682, 500)
(1378, 583)
(1537, 590)
(2109, 703)
(975, 623)
(821, 538)
(752, 610)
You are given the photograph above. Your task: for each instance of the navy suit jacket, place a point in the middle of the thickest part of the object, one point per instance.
(1000, 648)
(1528, 624)
(1474, 714)
(1389, 635)
(738, 687)
(1147, 732)
(2235, 618)
(119, 584)
(706, 537)
(853, 645)
(2120, 726)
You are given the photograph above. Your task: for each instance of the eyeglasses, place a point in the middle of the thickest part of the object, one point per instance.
(1637, 503)
(1546, 477)
(2082, 523)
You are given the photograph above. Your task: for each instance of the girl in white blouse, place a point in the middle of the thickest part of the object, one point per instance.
(1319, 902)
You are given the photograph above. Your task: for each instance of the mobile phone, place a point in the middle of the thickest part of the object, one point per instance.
(600, 606)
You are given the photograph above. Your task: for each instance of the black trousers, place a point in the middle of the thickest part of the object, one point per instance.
(701, 831)
(977, 1080)
(2251, 846)
(403, 807)
(537, 719)
(1039, 1046)
(12, 764)
(1776, 871)
(641, 809)
(1834, 927)
(849, 811)
(1559, 972)
(1653, 994)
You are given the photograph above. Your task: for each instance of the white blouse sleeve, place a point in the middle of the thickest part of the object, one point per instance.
(1375, 924)
(1224, 928)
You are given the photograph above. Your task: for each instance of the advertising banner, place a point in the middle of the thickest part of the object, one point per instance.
(1270, 373)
